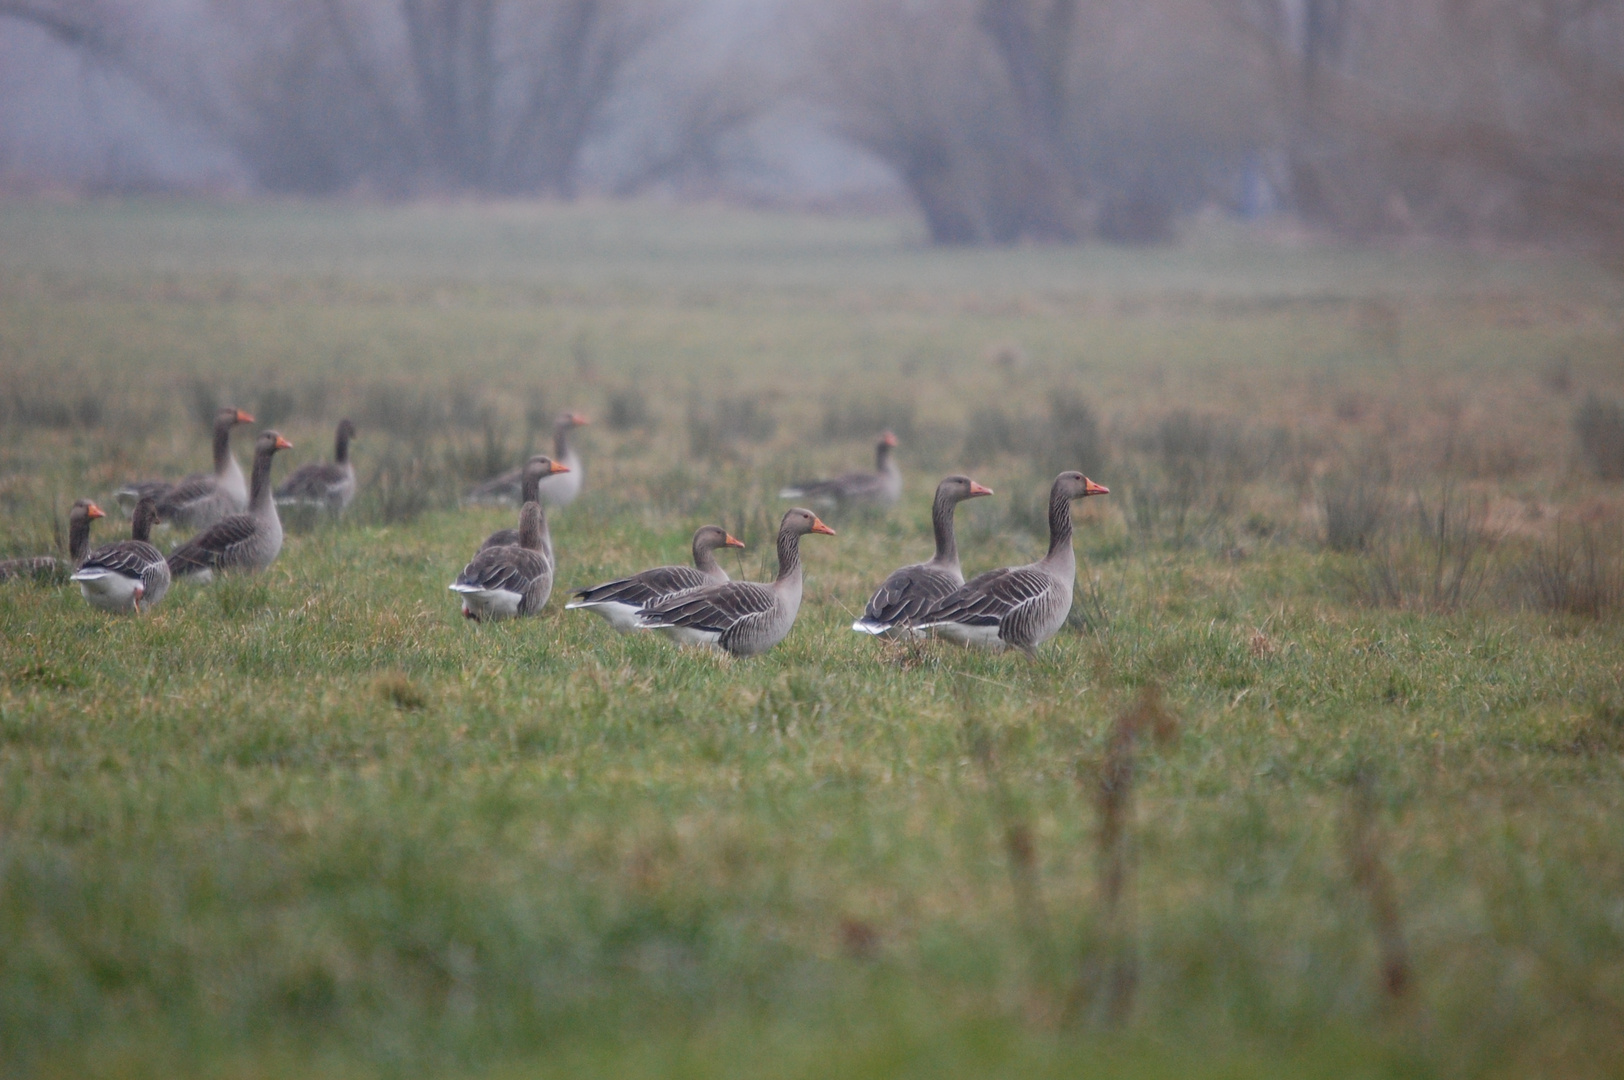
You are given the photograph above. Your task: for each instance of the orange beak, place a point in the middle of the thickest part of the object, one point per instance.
(1091, 488)
(283, 444)
(977, 489)
(579, 420)
(732, 541)
(819, 527)
(558, 468)
(93, 512)
(888, 439)
(244, 418)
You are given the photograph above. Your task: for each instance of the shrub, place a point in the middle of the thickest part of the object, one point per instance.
(1356, 503)
(1434, 559)
(715, 430)
(1600, 427)
(1575, 575)
(628, 409)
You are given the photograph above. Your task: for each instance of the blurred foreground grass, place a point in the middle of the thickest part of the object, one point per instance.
(314, 824)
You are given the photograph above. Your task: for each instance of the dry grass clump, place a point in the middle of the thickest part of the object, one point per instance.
(716, 429)
(628, 410)
(1356, 502)
(1434, 558)
(1599, 426)
(865, 417)
(1576, 572)
(1182, 488)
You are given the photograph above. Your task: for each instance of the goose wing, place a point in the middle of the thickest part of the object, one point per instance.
(509, 568)
(215, 545)
(187, 493)
(130, 558)
(644, 588)
(504, 487)
(714, 608)
(908, 593)
(987, 599)
(313, 481)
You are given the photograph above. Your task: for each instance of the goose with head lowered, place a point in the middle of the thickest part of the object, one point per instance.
(910, 591)
(536, 470)
(505, 581)
(881, 488)
(506, 488)
(743, 618)
(249, 541)
(1022, 606)
(127, 575)
(323, 485)
(200, 499)
(49, 567)
(619, 601)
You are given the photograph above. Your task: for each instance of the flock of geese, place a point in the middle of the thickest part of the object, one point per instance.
(236, 527)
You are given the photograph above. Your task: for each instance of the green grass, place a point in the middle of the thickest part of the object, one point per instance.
(315, 824)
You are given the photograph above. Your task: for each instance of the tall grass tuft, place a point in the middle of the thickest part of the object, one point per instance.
(1576, 575)
(1356, 502)
(1183, 487)
(716, 429)
(864, 417)
(1599, 426)
(1435, 558)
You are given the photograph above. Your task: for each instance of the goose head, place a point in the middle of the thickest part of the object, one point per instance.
(711, 537)
(959, 488)
(799, 522)
(1074, 485)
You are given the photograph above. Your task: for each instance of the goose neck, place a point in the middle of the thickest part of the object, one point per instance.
(705, 559)
(341, 446)
(941, 521)
(532, 525)
(259, 485)
(222, 446)
(789, 556)
(1059, 521)
(78, 537)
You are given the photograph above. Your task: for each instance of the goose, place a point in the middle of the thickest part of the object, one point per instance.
(508, 580)
(911, 590)
(248, 541)
(882, 487)
(619, 601)
(325, 485)
(535, 470)
(743, 618)
(127, 575)
(560, 490)
(201, 499)
(82, 513)
(1021, 606)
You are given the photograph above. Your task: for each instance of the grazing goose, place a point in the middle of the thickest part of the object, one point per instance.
(127, 575)
(560, 490)
(741, 617)
(619, 601)
(80, 516)
(508, 580)
(1021, 606)
(882, 487)
(908, 592)
(247, 541)
(201, 499)
(535, 470)
(324, 485)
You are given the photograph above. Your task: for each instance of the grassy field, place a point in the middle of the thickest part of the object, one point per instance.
(1360, 536)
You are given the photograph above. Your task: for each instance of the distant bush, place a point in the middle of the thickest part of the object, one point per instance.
(1579, 574)
(1069, 437)
(1433, 558)
(1600, 427)
(628, 409)
(1356, 503)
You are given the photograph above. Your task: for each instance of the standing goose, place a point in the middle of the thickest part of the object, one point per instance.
(1021, 606)
(619, 601)
(741, 617)
(247, 541)
(535, 471)
(508, 580)
(80, 516)
(560, 490)
(910, 591)
(882, 487)
(324, 485)
(201, 499)
(127, 575)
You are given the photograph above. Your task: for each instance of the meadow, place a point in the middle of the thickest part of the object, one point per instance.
(1365, 541)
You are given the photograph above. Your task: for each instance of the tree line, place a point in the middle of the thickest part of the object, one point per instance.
(1004, 120)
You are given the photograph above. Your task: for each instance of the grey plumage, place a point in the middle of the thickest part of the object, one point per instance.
(508, 580)
(506, 489)
(536, 472)
(744, 618)
(49, 567)
(127, 575)
(325, 485)
(248, 541)
(619, 601)
(882, 487)
(909, 592)
(1021, 606)
(199, 500)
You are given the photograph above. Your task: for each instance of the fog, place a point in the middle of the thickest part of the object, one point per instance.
(996, 120)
